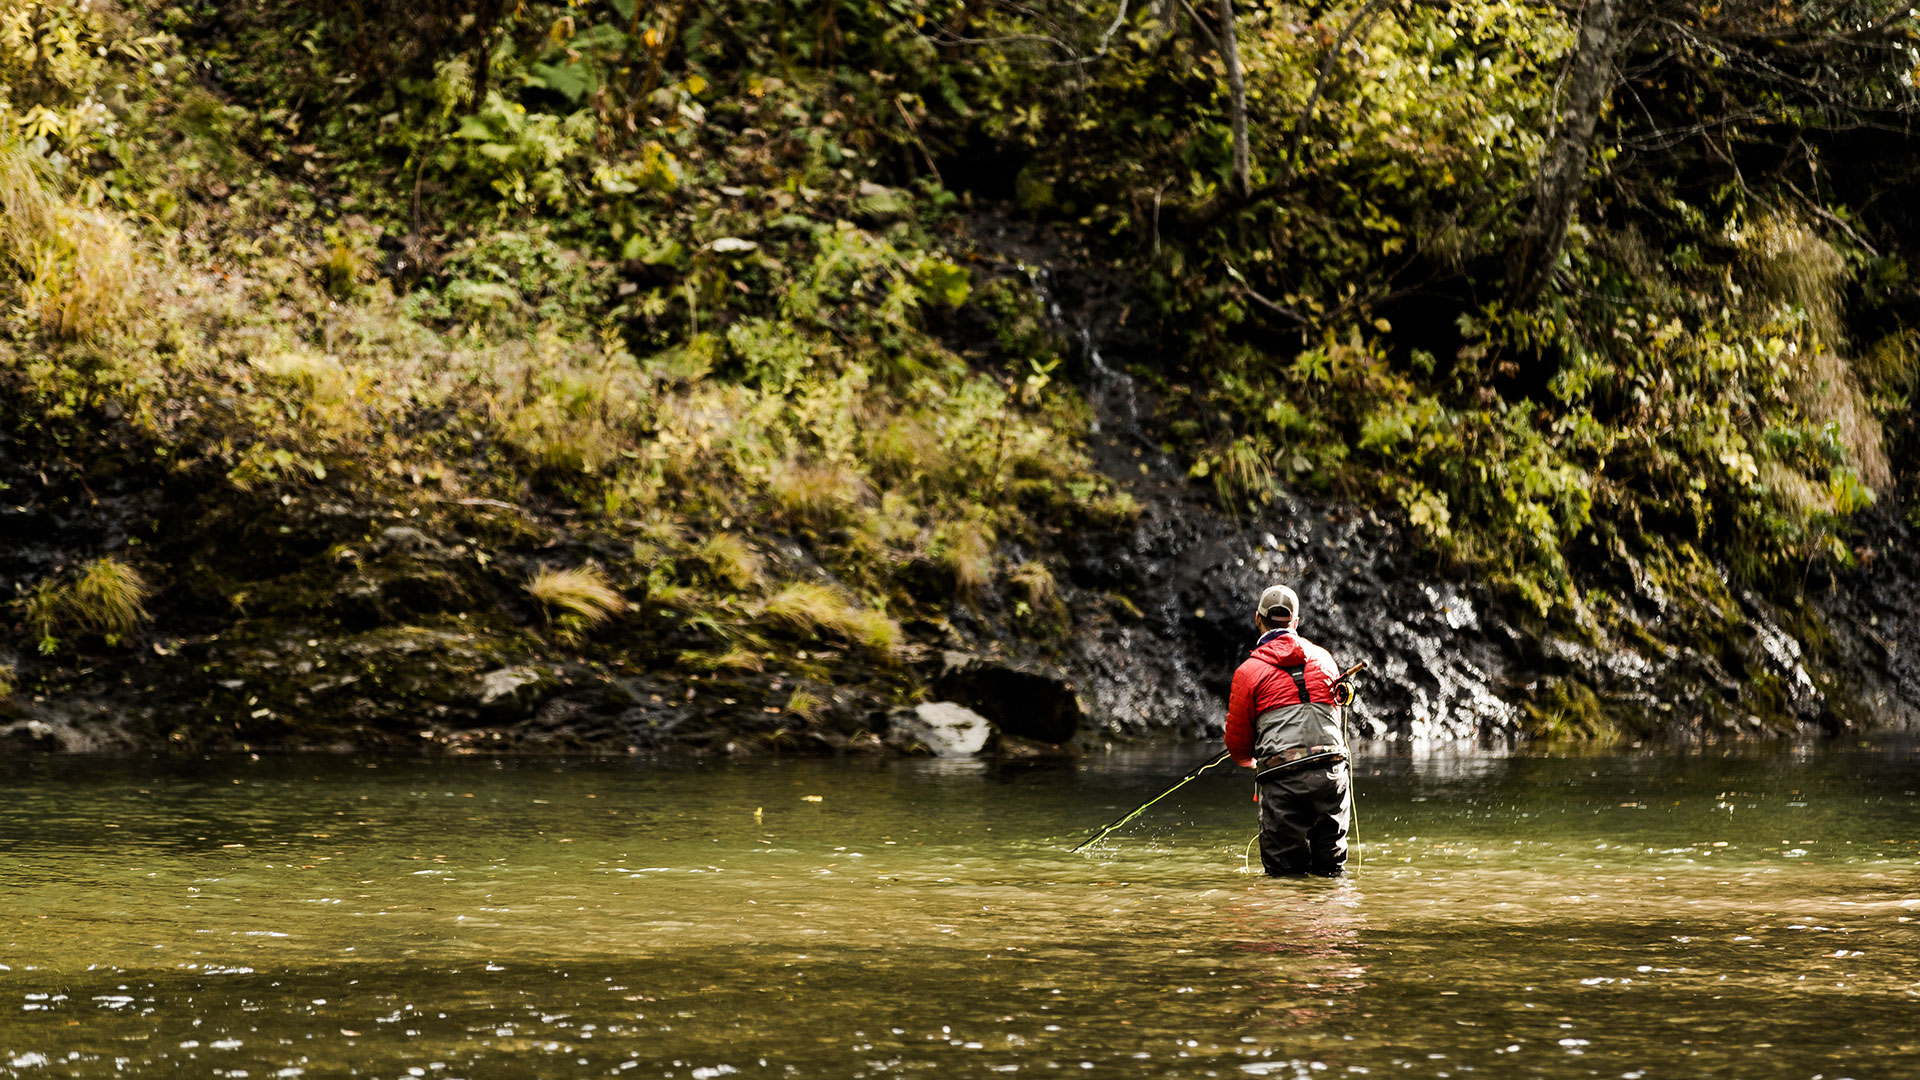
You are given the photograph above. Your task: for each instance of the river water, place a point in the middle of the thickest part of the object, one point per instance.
(1745, 912)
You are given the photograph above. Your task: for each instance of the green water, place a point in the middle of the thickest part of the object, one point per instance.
(1745, 913)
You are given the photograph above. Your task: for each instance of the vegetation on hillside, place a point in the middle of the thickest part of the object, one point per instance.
(310, 254)
(695, 283)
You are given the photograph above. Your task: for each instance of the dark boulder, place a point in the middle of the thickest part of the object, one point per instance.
(1020, 699)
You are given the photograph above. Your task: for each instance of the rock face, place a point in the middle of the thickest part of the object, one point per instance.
(1164, 610)
(942, 728)
(1436, 668)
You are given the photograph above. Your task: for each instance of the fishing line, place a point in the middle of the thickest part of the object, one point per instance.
(1340, 683)
(1142, 808)
(1353, 784)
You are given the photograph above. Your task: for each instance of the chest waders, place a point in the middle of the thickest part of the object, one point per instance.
(1298, 742)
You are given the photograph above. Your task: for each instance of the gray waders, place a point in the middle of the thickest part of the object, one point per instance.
(1303, 819)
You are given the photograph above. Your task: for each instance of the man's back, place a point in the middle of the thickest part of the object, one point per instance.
(1282, 666)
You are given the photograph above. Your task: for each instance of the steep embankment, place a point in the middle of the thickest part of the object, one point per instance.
(596, 375)
(1451, 657)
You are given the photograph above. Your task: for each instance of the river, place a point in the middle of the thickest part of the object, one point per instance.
(1745, 912)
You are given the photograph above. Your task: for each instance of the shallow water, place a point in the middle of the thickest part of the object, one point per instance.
(1743, 913)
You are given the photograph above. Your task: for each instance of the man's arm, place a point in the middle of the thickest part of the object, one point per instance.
(1239, 735)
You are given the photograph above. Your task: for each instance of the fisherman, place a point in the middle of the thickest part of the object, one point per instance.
(1283, 719)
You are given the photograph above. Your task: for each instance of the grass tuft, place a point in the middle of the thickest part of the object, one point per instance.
(730, 561)
(577, 599)
(814, 494)
(326, 390)
(735, 658)
(808, 608)
(806, 704)
(106, 598)
(77, 265)
(1036, 581)
(966, 549)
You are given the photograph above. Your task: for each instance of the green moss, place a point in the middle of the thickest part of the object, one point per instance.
(1567, 709)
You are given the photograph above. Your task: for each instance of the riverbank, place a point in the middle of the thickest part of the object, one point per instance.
(373, 612)
(540, 381)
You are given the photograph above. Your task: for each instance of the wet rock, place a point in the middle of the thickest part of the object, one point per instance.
(513, 691)
(31, 735)
(942, 728)
(1021, 699)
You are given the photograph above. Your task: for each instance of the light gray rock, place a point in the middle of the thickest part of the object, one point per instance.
(942, 727)
(516, 688)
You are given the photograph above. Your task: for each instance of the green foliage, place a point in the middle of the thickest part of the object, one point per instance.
(682, 271)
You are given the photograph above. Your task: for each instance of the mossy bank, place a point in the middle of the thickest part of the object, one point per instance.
(591, 375)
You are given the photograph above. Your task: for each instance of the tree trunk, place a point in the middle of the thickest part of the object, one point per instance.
(488, 14)
(1237, 89)
(1564, 169)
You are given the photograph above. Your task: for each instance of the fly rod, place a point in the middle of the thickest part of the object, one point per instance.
(1210, 763)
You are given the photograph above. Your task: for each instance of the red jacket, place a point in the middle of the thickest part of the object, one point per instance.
(1261, 684)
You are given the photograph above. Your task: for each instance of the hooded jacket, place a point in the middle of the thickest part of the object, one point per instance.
(1265, 714)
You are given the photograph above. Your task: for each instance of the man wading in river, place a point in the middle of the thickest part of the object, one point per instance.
(1284, 720)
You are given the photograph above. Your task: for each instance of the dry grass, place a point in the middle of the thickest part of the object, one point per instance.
(565, 410)
(1800, 496)
(83, 279)
(327, 390)
(1036, 581)
(966, 549)
(813, 494)
(8, 681)
(730, 561)
(107, 597)
(812, 609)
(577, 599)
(1826, 390)
(905, 447)
(78, 265)
(1792, 263)
(735, 658)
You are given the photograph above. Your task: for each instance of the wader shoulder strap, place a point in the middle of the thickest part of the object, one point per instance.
(1299, 675)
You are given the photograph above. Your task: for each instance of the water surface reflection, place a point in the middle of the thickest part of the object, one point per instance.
(1697, 913)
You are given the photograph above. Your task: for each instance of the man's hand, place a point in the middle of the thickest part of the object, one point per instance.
(1245, 763)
